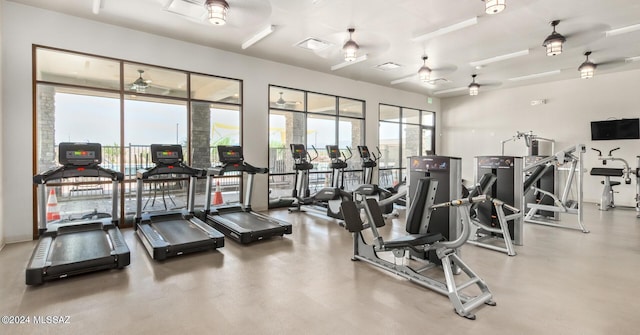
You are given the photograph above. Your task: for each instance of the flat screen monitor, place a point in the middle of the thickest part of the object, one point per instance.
(623, 129)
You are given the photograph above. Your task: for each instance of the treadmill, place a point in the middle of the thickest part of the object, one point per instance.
(239, 222)
(68, 247)
(174, 232)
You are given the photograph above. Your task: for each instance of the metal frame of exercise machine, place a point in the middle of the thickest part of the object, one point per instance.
(485, 234)
(75, 247)
(448, 172)
(531, 141)
(172, 233)
(402, 247)
(239, 221)
(328, 199)
(574, 156)
(493, 228)
(607, 198)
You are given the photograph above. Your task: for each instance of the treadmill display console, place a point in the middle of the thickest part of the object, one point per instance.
(333, 151)
(230, 154)
(80, 154)
(166, 153)
(298, 151)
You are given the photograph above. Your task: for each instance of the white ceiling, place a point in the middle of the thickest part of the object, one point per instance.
(386, 31)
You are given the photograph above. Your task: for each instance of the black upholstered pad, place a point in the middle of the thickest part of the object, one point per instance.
(413, 240)
(606, 172)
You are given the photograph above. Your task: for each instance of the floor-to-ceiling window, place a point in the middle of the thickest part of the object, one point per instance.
(403, 132)
(315, 120)
(126, 107)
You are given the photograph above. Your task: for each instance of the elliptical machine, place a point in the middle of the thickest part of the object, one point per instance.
(327, 200)
(607, 199)
(368, 189)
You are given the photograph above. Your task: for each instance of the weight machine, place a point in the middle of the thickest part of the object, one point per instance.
(606, 199)
(531, 140)
(572, 155)
(415, 269)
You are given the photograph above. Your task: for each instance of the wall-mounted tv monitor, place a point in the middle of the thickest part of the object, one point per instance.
(623, 129)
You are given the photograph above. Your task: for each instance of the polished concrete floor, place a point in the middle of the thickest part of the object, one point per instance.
(561, 282)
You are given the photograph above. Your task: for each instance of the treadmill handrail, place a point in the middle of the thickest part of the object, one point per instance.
(72, 171)
(178, 168)
(236, 166)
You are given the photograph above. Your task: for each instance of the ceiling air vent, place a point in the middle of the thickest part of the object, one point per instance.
(313, 44)
(193, 9)
(388, 66)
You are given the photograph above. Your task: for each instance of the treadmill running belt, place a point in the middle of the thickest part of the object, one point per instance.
(249, 222)
(79, 247)
(177, 230)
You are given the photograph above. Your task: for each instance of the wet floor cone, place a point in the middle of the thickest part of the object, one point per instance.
(53, 213)
(217, 195)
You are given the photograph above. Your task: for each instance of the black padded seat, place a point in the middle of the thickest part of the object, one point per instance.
(613, 183)
(611, 172)
(413, 240)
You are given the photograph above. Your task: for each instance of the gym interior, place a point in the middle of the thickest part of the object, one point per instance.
(172, 166)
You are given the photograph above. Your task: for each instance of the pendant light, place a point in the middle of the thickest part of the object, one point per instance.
(217, 11)
(554, 42)
(494, 6)
(350, 48)
(424, 73)
(473, 87)
(587, 68)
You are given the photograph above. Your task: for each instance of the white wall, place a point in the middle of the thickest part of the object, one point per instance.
(474, 126)
(1, 142)
(29, 26)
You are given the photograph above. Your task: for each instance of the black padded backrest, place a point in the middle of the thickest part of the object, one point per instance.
(376, 213)
(351, 215)
(414, 218)
(535, 176)
(486, 182)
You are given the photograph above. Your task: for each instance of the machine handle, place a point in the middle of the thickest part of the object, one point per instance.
(599, 152)
(350, 154)
(308, 154)
(612, 150)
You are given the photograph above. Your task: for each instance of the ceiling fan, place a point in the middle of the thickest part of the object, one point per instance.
(140, 85)
(281, 102)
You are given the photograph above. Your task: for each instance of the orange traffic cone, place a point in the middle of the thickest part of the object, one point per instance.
(53, 213)
(217, 195)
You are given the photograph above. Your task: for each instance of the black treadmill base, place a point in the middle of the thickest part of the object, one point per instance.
(161, 254)
(39, 277)
(249, 237)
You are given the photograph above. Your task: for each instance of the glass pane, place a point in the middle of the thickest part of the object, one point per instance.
(145, 79)
(350, 107)
(68, 68)
(323, 104)
(389, 113)
(285, 128)
(212, 125)
(350, 134)
(427, 142)
(411, 138)
(410, 116)
(215, 89)
(321, 131)
(283, 98)
(70, 115)
(389, 145)
(154, 121)
(428, 118)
